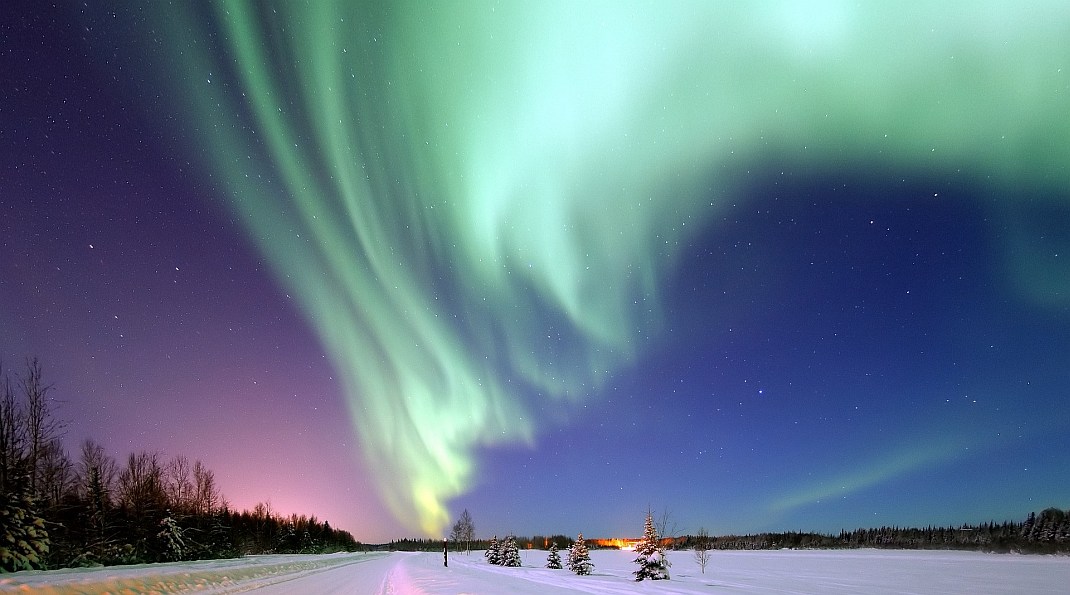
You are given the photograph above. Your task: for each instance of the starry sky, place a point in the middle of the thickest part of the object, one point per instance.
(802, 266)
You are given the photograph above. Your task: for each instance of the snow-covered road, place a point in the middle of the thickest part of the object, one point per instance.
(401, 573)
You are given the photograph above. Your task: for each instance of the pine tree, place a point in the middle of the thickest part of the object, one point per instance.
(510, 553)
(579, 560)
(24, 542)
(171, 539)
(554, 559)
(287, 542)
(494, 552)
(650, 558)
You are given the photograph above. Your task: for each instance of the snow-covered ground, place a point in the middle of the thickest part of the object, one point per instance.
(796, 572)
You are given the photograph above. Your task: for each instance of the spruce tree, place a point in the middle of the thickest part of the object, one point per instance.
(24, 542)
(1029, 526)
(650, 558)
(510, 553)
(554, 559)
(171, 540)
(579, 560)
(494, 553)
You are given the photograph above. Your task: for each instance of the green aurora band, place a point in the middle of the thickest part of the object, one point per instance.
(473, 202)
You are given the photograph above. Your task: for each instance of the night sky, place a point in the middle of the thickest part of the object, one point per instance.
(797, 267)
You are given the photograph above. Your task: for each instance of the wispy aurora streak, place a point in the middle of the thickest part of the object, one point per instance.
(941, 447)
(473, 201)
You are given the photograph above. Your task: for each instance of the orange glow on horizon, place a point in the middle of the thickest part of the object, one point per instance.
(616, 542)
(628, 543)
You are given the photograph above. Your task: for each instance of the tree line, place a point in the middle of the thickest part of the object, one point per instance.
(58, 511)
(1043, 533)
(1048, 532)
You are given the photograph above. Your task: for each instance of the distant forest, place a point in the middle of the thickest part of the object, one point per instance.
(59, 512)
(1046, 533)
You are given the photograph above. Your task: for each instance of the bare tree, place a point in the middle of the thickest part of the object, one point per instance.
(263, 511)
(464, 530)
(56, 477)
(179, 486)
(141, 489)
(12, 435)
(206, 498)
(702, 548)
(666, 528)
(264, 521)
(41, 426)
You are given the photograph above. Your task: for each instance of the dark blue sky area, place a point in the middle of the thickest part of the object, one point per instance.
(852, 345)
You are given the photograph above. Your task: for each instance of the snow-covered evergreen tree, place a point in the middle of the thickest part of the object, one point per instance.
(173, 544)
(1029, 526)
(24, 542)
(218, 543)
(554, 559)
(494, 552)
(288, 542)
(308, 544)
(510, 553)
(579, 560)
(650, 557)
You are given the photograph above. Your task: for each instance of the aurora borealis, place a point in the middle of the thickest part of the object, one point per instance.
(791, 262)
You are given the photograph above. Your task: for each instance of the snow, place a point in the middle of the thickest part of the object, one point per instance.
(400, 573)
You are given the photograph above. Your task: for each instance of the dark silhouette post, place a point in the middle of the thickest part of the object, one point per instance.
(445, 559)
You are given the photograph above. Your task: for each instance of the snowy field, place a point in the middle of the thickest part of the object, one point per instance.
(796, 572)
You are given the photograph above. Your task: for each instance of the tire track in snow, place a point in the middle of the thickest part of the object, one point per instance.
(398, 581)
